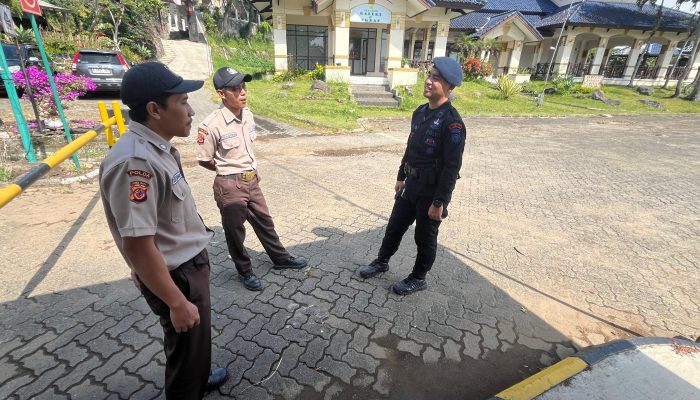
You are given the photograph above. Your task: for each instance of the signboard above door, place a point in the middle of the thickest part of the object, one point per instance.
(372, 13)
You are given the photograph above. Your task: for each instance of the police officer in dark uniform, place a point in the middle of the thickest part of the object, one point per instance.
(427, 176)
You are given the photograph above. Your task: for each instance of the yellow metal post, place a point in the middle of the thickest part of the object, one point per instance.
(105, 117)
(116, 107)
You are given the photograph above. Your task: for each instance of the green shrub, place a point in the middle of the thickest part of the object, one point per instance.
(583, 90)
(6, 174)
(507, 87)
(563, 84)
(529, 87)
(57, 45)
(318, 73)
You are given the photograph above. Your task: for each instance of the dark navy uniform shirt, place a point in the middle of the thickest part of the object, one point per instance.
(436, 143)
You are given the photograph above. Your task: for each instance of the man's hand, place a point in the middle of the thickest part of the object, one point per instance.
(399, 186)
(184, 316)
(435, 213)
(135, 280)
(210, 165)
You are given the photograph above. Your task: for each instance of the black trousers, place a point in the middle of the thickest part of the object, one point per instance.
(402, 216)
(187, 354)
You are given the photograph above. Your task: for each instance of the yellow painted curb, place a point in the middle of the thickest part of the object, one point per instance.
(544, 380)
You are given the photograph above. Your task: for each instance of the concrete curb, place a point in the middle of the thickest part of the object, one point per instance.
(569, 367)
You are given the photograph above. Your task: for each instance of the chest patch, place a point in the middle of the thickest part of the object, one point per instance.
(176, 178)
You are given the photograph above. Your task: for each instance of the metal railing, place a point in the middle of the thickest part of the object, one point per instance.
(675, 73)
(613, 71)
(579, 70)
(645, 72)
(14, 189)
(541, 70)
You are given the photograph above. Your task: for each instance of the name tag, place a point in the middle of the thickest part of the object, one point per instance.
(229, 136)
(176, 178)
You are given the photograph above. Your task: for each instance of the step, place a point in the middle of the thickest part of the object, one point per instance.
(378, 102)
(373, 95)
(369, 88)
(368, 80)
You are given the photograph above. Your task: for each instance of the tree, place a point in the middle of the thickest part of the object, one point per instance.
(694, 29)
(648, 44)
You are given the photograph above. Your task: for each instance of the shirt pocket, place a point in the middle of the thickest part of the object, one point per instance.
(229, 141)
(178, 206)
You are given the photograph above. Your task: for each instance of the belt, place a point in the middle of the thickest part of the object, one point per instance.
(246, 176)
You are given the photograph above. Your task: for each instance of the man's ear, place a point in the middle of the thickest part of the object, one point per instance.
(153, 109)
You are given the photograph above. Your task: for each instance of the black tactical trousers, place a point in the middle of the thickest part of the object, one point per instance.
(402, 216)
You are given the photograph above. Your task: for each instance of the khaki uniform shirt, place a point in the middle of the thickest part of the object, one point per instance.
(227, 140)
(144, 193)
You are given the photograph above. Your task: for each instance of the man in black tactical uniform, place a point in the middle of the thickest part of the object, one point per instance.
(427, 176)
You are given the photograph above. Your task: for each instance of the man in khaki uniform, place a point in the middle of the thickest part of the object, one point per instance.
(154, 221)
(225, 145)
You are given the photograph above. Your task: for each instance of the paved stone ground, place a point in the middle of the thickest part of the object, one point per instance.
(563, 233)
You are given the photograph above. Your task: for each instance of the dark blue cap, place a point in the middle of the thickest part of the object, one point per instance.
(151, 80)
(229, 77)
(450, 69)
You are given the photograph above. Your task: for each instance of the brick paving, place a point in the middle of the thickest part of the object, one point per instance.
(564, 232)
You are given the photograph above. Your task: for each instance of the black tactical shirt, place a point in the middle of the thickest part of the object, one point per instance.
(435, 147)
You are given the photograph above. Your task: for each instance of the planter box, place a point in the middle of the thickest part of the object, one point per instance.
(335, 73)
(402, 77)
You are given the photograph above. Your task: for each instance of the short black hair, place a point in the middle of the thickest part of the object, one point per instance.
(140, 114)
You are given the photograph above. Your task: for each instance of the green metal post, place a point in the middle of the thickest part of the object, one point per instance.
(47, 68)
(17, 109)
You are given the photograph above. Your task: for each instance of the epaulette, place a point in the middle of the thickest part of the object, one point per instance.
(207, 120)
(140, 150)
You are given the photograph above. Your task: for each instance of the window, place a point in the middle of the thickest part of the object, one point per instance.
(308, 45)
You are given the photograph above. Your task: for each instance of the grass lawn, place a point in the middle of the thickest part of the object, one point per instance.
(336, 112)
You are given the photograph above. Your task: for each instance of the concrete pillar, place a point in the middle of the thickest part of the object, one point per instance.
(599, 55)
(443, 29)
(561, 60)
(426, 43)
(342, 37)
(503, 58)
(632, 59)
(279, 33)
(514, 61)
(396, 34)
(412, 46)
(664, 61)
(537, 57)
(695, 69)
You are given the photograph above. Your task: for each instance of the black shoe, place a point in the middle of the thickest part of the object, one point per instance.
(374, 268)
(252, 282)
(217, 377)
(410, 285)
(292, 262)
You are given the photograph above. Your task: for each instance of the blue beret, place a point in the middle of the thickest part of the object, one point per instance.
(449, 69)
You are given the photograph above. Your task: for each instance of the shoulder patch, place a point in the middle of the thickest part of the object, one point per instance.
(139, 191)
(456, 137)
(455, 126)
(140, 173)
(201, 135)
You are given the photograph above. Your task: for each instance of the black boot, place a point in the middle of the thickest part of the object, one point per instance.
(374, 268)
(410, 285)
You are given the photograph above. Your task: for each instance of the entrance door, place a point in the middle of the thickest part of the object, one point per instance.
(358, 56)
(363, 45)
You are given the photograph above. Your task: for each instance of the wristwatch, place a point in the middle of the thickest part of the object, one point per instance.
(437, 203)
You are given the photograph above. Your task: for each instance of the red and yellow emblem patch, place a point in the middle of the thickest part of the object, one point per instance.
(139, 191)
(201, 133)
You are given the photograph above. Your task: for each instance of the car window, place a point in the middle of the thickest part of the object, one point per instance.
(98, 58)
(10, 52)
